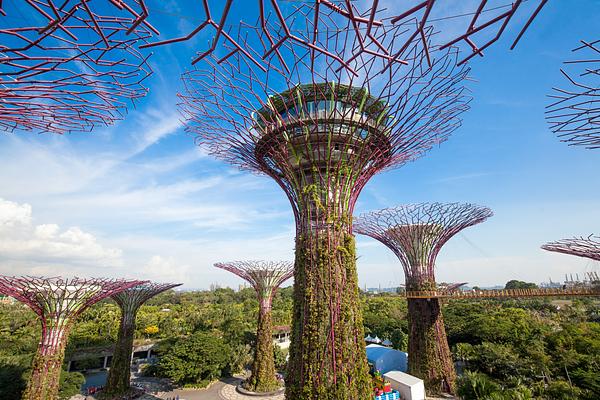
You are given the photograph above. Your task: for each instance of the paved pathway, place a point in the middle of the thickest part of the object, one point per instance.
(228, 392)
(222, 390)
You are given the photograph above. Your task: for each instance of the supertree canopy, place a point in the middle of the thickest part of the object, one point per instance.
(416, 234)
(483, 21)
(321, 128)
(130, 300)
(72, 64)
(582, 247)
(57, 302)
(265, 277)
(574, 114)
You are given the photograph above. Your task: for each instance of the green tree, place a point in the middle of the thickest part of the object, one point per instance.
(195, 360)
(70, 384)
(561, 390)
(476, 386)
(515, 284)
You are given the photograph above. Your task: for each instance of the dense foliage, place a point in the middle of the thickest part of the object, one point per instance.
(509, 349)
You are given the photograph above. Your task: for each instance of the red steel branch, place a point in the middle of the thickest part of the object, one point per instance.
(574, 114)
(488, 20)
(74, 67)
(57, 302)
(582, 247)
(417, 232)
(485, 17)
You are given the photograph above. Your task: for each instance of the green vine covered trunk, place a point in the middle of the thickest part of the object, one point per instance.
(429, 356)
(47, 365)
(327, 353)
(120, 369)
(263, 369)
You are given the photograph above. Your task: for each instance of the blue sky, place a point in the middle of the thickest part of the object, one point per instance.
(139, 199)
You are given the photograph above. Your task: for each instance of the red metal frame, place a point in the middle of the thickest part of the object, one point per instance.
(574, 114)
(417, 232)
(362, 21)
(579, 246)
(74, 70)
(264, 276)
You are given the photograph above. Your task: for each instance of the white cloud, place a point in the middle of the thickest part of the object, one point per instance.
(165, 269)
(21, 240)
(12, 214)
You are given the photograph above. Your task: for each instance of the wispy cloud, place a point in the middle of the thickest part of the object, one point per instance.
(45, 244)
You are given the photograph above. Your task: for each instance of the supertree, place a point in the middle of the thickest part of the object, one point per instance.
(57, 302)
(321, 131)
(416, 234)
(129, 301)
(265, 277)
(76, 66)
(482, 20)
(579, 246)
(574, 114)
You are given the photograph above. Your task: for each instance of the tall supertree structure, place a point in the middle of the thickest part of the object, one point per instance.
(70, 65)
(265, 277)
(129, 301)
(416, 234)
(57, 302)
(574, 114)
(321, 126)
(579, 246)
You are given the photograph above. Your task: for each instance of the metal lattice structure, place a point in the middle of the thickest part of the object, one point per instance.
(265, 277)
(74, 66)
(416, 233)
(582, 247)
(130, 300)
(321, 131)
(574, 114)
(57, 302)
(487, 22)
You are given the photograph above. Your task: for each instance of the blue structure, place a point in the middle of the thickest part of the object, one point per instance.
(385, 359)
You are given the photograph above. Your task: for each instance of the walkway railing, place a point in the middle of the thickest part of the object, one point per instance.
(504, 293)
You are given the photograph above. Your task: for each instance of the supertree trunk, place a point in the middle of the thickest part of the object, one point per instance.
(47, 365)
(263, 369)
(129, 301)
(265, 277)
(119, 374)
(327, 354)
(429, 356)
(416, 233)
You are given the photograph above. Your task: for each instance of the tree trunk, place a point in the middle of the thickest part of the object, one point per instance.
(327, 352)
(47, 364)
(429, 356)
(119, 374)
(263, 369)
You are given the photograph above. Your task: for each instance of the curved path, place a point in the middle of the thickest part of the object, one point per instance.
(221, 390)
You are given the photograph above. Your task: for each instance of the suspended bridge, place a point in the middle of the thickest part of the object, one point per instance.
(504, 293)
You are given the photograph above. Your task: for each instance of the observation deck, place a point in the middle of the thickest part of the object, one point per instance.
(325, 126)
